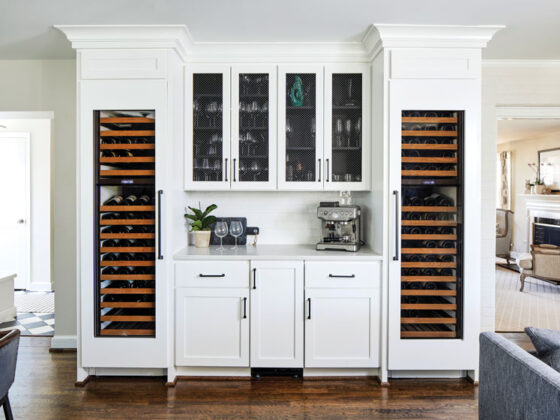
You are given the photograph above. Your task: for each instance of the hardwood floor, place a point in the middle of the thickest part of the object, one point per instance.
(44, 389)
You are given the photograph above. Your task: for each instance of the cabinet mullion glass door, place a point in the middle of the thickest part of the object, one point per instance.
(253, 156)
(348, 128)
(207, 127)
(301, 140)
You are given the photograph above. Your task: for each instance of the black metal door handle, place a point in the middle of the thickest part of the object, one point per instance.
(309, 308)
(320, 170)
(327, 170)
(254, 278)
(225, 171)
(396, 255)
(211, 275)
(234, 161)
(342, 276)
(244, 308)
(159, 194)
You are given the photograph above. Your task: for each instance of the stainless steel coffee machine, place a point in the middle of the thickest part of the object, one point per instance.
(340, 226)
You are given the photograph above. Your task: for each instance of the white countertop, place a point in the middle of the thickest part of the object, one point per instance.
(274, 252)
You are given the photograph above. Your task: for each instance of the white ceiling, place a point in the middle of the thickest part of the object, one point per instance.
(532, 32)
(523, 129)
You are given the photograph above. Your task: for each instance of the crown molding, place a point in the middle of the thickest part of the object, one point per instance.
(176, 37)
(381, 35)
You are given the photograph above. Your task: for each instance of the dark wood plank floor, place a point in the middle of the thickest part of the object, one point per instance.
(44, 389)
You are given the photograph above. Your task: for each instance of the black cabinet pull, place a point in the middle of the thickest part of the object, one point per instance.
(244, 308)
(159, 194)
(234, 180)
(342, 276)
(327, 170)
(309, 308)
(320, 170)
(225, 171)
(396, 255)
(254, 278)
(211, 275)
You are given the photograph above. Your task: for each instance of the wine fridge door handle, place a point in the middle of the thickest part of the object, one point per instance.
(211, 275)
(234, 162)
(320, 170)
(308, 308)
(342, 276)
(244, 308)
(396, 255)
(254, 278)
(327, 169)
(225, 170)
(159, 194)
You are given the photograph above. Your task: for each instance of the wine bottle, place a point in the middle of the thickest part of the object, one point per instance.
(429, 244)
(429, 272)
(109, 257)
(445, 272)
(129, 200)
(447, 244)
(115, 200)
(430, 286)
(108, 153)
(143, 200)
(413, 258)
(116, 229)
(109, 243)
(430, 258)
(445, 231)
(110, 216)
(108, 271)
(447, 258)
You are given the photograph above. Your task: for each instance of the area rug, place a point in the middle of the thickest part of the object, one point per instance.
(42, 302)
(537, 306)
(31, 324)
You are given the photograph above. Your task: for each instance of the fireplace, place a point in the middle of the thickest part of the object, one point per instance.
(543, 219)
(546, 231)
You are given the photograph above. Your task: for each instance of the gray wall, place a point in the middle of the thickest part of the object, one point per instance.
(50, 85)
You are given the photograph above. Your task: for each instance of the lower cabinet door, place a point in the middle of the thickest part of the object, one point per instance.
(212, 327)
(277, 314)
(342, 328)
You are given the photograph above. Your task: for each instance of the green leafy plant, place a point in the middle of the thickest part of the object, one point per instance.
(201, 220)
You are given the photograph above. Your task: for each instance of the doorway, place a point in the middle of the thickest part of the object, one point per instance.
(527, 204)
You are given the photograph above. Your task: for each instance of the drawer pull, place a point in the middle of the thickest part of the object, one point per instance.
(244, 308)
(254, 278)
(342, 276)
(211, 275)
(309, 308)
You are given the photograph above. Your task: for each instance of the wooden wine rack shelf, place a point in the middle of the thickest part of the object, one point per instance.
(132, 311)
(435, 173)
(451, 223)
(446, 251)
(428, 264)
(429, 320)
(433, 279)
(427, 146)
(429, 209)
(430, 237)
(423, 292)
(428, 133)
(430, 306)
(413, 159)
(428, 334)
(445, 120)
(127, 133)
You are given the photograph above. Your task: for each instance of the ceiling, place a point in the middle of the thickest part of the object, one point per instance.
(532, 32)
(523, 129)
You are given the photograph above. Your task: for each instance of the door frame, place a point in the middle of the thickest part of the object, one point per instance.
(26, 137)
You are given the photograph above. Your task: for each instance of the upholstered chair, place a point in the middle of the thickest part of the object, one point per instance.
(504, 228)
(543, 264)
(9, 342)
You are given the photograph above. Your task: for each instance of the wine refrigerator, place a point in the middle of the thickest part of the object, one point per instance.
(431, 224)
(125, 223)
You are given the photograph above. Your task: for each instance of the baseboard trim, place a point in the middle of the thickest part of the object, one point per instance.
(64, 342)
(81, 384)
(40, 287)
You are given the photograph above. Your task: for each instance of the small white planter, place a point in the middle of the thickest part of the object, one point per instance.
(201, 238)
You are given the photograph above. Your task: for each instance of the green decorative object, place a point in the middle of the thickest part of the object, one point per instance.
(296, 92)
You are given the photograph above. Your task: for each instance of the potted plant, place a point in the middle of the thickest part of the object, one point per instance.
(200, 222)
(539, 182)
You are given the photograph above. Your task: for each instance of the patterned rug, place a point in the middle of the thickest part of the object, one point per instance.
(34, 301)
(31, 324)
(537, 306)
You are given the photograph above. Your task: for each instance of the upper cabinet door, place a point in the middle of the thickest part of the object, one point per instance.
(300, 127)
(253, 142)
(207, 128)
(347, 127)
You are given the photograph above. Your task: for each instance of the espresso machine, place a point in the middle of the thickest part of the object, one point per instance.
(340, 226)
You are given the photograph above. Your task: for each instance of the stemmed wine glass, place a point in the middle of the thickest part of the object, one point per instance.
(221, 231)
(235, 229)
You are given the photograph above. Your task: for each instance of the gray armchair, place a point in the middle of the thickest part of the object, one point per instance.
(543, 264)
(504, 228)
(9, 342)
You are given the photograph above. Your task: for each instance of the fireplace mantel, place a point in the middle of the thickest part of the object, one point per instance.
(539, 205)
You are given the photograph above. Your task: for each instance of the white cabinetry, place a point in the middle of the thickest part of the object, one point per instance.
(342, 320)
(277, 314)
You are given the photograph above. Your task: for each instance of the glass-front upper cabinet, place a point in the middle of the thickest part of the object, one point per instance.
(207, 127)
(300, 128)
(253, 136)
(347, 127)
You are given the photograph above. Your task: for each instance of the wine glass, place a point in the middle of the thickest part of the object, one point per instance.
(221, 231)
(235, 230)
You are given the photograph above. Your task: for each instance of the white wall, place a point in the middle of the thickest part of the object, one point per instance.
(41, 194)
(50, 85)
(505, 83)
(524, 152)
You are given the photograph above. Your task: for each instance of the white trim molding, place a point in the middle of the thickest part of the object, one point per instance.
(26, 115)
(527, 112)
(64, 342)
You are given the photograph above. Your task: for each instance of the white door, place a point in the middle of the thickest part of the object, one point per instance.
(207, 127)
(212, 327)
(277, 314)
(253, 127)
(300, 127)
(347, 127)
(14, 215)
(342, 328)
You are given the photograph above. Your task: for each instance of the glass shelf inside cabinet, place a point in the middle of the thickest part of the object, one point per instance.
(347, 127)
(207, 127)
(300, 127)
(254, 133)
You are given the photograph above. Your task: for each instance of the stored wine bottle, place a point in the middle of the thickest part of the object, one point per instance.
(447, 258)
(430, 258)
(143, 200)
(447, 127)
(108, 271)
(109, 243)
(410, 153)
(413, 258)
(116, 229)
(447, 244)
(411, 200)
(129, 200)
(120, 284)
(445, 272)
(410, 299)
(125, 270)
(429, 272)
(115, 200)
(109, 257)
(429, 244)
(108, 140)
(430, 286)
(108, 153)
(445, 231)
(111, 216)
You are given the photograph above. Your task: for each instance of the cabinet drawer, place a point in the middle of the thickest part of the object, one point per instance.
(123, 64)
(212, 274)
(343, 274)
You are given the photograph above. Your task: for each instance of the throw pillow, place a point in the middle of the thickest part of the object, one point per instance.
(547, 344)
